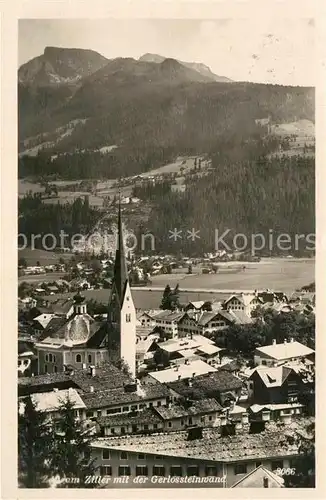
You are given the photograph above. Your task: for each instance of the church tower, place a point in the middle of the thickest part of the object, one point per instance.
(122, 312)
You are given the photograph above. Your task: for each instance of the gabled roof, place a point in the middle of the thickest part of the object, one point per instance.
(257, 477)
(52, 401)
(285, 350)
(197, 367)
(272, 376)
(206, 386)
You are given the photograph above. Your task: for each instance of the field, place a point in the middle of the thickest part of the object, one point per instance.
(277, 274)
(44, 257)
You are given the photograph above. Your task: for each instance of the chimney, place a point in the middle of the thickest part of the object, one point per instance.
(265, 482)
(274, 341)
(193, 375)
(91, 389)
(189, 383)
(84, 366)
(179, 377)
(285, 341)
(292, 339)
(92, 371)
(55, 389)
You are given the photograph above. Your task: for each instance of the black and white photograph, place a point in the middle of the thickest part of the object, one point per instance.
(166, 242)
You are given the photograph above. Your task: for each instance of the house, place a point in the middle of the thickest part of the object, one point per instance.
(207, 322)
(147, 318)
(59, 307)
(181, 415)
(276, 384)
(26, 303)
(282, 411)
(51, 402)
(220, 385)
(41, 321)
(215, 455)
(243, 302)
(168, 320)
(75, 341)
(130, 398)
(183, 371)
(260, 477)
(272, 355)
(143, 421)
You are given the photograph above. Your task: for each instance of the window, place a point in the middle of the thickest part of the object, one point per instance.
(277, 464)
(151, 404)
(141, 456)
(99, 413)
(123, 455)
(182, 422)
(46, 357)
(190, 420)
(155, 426)
(124, 470)
(113, 430)
(158, 457)
(176, 470)
(192, 470)
(258, 464)
(264, 362)
(158, 470)
(106, 454)
(89, 414)
(170, 424)
(45, 368)
(159, 403)
(89, 358)
(25, 362)
(141, 470)
(53, 358)
(211, 470)
(55, 368)
(240, 469)
(145, 427)
(125, 408)
(110, 411)
(50, 358)
(210, 418)
(134, 428)
(128, 318)
(106, 470)
(78, 358)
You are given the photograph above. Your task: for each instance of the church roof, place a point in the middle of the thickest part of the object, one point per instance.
(77, 330)
(120, 264)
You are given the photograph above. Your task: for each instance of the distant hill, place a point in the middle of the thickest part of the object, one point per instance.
(72, 100)
(57, 66)
(199, 67)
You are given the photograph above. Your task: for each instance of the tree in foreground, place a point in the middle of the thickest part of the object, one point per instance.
(304, 464)
(71, 456)
(35, 445)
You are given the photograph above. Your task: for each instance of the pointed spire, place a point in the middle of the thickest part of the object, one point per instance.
(120, 265)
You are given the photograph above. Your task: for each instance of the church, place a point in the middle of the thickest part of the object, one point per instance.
(81, 341)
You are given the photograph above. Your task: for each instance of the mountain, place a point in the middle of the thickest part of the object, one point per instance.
(152, 111)
(199, 67)
(60, 66)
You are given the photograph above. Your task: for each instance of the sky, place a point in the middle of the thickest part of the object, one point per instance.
(267, 50)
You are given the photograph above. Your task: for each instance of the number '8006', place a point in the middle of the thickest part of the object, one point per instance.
(286, 471)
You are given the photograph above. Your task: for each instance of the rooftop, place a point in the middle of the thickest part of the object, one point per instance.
(140, 417)
(192, 369)
(272, 376)
(286, 350)
(257, 479)
(52, 401)
(207, 385)
(271, 443)
(200, 407)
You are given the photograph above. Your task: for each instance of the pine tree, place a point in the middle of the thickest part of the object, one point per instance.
(35, 442)
(166, 299)
(72, 452)
(175, 298)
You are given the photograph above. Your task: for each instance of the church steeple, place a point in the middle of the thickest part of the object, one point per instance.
(120, 265)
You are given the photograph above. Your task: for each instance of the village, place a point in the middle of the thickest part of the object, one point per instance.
(181, 390)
